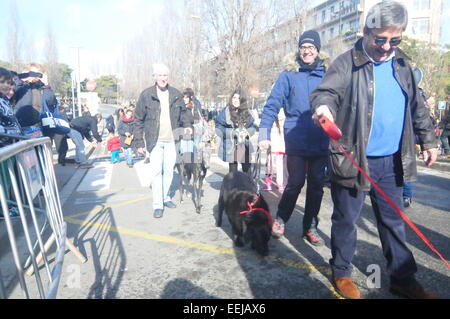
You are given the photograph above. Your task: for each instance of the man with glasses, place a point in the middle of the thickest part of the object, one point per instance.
(371, 94)
(306, 144)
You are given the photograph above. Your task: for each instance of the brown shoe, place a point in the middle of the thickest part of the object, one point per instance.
(346, 287)
(412, 290)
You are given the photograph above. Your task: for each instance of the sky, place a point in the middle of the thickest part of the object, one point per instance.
(100, 28)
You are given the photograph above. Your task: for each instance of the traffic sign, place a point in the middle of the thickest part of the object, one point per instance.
(442, 105)
(254, 92)
(91, 86)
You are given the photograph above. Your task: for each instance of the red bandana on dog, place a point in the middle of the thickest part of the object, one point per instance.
(250, 205)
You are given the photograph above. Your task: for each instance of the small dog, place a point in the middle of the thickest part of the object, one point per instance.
(247, 212)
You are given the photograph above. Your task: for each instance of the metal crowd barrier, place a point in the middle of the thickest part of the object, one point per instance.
(28, 186)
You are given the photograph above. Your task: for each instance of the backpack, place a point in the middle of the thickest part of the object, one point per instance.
(53, 122)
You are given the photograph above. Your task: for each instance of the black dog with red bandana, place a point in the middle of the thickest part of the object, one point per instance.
(247, 212)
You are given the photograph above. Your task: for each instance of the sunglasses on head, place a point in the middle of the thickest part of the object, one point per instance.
(392, 42)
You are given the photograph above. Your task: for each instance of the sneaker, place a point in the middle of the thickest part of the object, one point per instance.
(412, 290)
(313, 237)
(147, 161)
(278, 228)
(170, 205)
(158, 213)
(407, 202)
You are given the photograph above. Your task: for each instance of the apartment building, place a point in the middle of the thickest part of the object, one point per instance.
(344, 19)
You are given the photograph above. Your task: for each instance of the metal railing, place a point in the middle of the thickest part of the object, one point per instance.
(29, 194)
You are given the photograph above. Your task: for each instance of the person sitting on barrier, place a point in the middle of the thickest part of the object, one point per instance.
(9, 124)
(29, 96)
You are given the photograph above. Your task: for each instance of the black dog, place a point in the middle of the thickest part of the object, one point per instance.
(188, 168)
(247, 212)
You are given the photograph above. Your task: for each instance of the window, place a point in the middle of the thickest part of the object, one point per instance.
(354, 25)
(421, 5)
(331, 32)
(420, 26)
(323, 16)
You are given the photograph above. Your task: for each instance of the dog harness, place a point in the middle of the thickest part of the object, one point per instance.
(252, 209)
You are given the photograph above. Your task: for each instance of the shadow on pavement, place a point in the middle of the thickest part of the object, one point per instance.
(180, 288)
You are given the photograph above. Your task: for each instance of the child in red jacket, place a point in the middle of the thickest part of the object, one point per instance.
(114, 148)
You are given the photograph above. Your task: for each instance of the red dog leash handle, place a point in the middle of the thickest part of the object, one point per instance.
(330, 128)
(335, 133)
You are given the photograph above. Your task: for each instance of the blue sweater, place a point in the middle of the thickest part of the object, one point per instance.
(291, 91)
(388, 112)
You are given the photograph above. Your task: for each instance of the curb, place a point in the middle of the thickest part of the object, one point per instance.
(441, 166)
(75, 180)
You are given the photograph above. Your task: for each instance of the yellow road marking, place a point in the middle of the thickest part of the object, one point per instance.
(177, 241)
(114, 190)
(333, 291)
(197, 245)
(99, 209)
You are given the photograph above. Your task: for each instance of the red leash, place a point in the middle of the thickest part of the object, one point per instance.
(252, 209)
(335, 133)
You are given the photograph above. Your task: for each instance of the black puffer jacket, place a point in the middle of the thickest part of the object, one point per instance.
(348, 90)
(147, 116)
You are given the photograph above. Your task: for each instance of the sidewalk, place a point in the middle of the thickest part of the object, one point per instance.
(442, 164)
(65, 173)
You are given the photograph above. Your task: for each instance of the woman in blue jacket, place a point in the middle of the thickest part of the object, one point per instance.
(235, 125)
(306, 143)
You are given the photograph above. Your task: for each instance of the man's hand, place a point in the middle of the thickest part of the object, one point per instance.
(141, 150)
(322, 110)
(264, 145)
(94, 144)
(430, 156)
(188, 131)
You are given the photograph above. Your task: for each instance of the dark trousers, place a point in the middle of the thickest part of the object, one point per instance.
(444, 139)
(61, 147)
(387, 173)
(302, 168)
(245, 167)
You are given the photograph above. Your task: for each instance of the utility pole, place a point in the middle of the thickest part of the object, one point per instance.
(73, 94)
(79, 83)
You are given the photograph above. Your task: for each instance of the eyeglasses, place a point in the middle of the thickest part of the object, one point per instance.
(310, 48)
(392, 42)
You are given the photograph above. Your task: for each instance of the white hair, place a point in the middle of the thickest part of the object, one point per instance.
(160, 68)
(387, 14)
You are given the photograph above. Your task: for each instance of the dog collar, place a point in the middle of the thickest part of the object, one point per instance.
(252, 209)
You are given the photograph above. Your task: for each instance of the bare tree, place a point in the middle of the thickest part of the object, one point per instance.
(15, 37)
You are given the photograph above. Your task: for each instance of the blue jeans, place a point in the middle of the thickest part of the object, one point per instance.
(300, 169)
(128, 155)
(386, 172)
(115, 156)
(408, 189)
(77, 139)
(162, 163)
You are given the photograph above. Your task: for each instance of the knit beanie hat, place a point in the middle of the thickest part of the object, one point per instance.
(310, 36)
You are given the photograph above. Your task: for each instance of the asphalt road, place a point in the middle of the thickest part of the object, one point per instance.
(184, 256)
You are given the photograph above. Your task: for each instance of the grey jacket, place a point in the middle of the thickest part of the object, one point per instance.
(348, 90)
